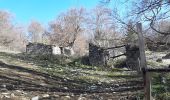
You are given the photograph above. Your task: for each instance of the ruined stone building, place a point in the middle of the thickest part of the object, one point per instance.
(99, 56)
(43, 49)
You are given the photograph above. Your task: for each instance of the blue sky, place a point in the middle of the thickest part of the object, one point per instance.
(46, 10)
(42, 10)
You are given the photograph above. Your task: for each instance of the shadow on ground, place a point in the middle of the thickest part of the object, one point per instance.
(14, 77)
(54, 83)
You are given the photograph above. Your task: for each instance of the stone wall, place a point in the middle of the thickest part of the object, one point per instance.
(132, 56)
(43, 49)
(38, 48)
(97, 56)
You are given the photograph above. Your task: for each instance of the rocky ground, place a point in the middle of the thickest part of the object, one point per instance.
(157, 59)
(24, 78)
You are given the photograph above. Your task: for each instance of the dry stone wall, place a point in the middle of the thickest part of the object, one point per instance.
(97, 56)
(38, 48)
(132, 56)
(43, 49)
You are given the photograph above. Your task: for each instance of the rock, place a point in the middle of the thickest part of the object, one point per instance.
(10, 87)
(1, 97)
(72, 95)
(116, 85)
(43, 84)
(3, 86)
(166, 61)
(82, 98)
(66, 88)
(125, 69)
(3, 89)
(18, 91)
(6, 97)
(12, 95)
(35, 98)
(45, 95)
(93, 87)
(66, 98)
(112, 66)
(99, 83)
(159, 60)
(24, 93)
(5, 93)
(56, 96)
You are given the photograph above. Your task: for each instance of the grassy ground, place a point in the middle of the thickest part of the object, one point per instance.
(160, 81)
(58, 77)
(23, 77)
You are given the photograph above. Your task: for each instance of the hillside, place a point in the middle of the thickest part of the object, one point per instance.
(23, 77)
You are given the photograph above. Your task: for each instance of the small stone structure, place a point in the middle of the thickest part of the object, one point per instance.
(132, 56)
(98, 56)
(43, 49)
(39, 48)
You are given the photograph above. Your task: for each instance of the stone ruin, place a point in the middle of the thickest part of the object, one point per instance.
(39, 48)
(98, 56)
(132, 57)
(43, 49)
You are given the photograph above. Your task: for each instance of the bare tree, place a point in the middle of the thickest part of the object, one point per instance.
(36, 31)
(81, 45)
(10, 35)
(162, 26)
(102, 24)
(5, 28)
(67, 26)
(20, 41)
(152, 11)
(156, 14)
(131, 36)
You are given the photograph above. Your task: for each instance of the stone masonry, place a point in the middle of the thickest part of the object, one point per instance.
(97, 56)
(132, 56)
(38, 48)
